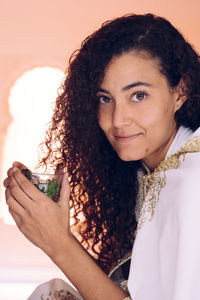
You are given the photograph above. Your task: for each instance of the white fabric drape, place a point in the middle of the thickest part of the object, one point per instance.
(165, 261)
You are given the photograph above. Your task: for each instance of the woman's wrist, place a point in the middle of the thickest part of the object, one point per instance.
(59, 248)
(82, 271)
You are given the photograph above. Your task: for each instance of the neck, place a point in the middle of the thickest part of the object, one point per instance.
(153, 160)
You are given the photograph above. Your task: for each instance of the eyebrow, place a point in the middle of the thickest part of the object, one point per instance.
(128, 87)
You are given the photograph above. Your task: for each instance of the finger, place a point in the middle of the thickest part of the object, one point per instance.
(13, 204)
(23, 185)
(6, 182)
(65, 192)
(19, 165)
(18, 189)
(15, 217)
(9, 171)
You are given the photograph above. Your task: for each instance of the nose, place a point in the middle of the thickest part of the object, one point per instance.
(121, 115)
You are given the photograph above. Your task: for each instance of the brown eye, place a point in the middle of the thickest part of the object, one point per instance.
(103, 99)
(139, 96)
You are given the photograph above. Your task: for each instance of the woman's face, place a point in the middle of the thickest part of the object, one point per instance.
(137, 107)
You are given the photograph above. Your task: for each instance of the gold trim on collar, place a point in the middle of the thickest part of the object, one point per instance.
(154, 182)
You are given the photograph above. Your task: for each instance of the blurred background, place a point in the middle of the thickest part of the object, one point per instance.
(37, 38)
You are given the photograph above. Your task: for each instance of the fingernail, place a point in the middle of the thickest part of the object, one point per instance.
(14, 169)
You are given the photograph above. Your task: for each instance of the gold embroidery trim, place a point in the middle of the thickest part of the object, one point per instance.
(123, 284)
(154, 182)
(59, 295)
(119, 263)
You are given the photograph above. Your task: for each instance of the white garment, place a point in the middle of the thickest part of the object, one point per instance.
(55, 289)
(182, 136)
(165, 262)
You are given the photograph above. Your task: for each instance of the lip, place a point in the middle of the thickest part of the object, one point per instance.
(126, 138)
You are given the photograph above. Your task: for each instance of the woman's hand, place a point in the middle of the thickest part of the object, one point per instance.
(46, 224)
(40, 219)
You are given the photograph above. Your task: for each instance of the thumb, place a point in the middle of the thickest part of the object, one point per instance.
(65, 192)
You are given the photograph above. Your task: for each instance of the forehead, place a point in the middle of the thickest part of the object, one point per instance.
(133, 65)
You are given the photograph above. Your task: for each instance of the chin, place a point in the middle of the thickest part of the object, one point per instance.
(128, 157)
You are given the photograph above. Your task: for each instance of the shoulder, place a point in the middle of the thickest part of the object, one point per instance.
(182, 190)
(188, 189)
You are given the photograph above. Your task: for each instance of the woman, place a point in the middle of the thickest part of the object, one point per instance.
(129, 104)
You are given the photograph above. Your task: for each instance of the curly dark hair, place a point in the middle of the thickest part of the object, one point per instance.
(103, 187)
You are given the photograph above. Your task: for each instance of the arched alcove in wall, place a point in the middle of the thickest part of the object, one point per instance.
(13, 68)
(30, 103)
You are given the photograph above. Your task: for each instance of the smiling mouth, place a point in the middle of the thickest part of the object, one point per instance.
(126, 138)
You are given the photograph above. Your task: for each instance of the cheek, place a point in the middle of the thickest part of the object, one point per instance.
(103, 119)
(151, 117)
(100, 119)
(157, 115)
